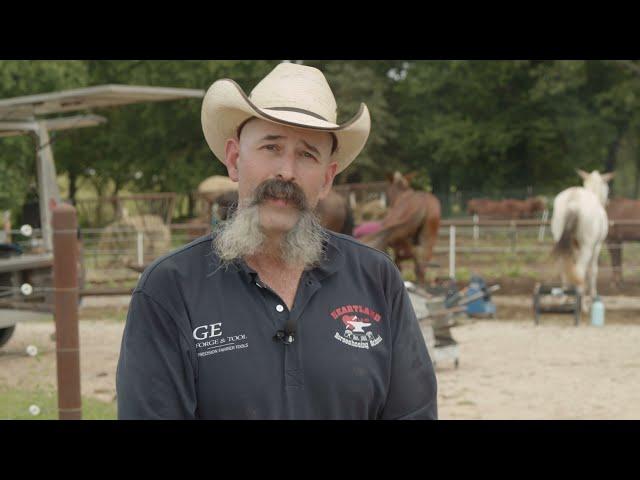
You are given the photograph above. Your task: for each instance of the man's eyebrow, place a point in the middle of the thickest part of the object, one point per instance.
(280, 137)
(272, 137)
(311, 147)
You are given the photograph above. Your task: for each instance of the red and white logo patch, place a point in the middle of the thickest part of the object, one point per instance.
(360, 326)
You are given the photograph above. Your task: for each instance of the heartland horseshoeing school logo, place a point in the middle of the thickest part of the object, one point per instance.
(360, 323)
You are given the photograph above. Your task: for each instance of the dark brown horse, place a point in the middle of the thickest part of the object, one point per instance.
(619, 210)
(335, 213)
(413, 219)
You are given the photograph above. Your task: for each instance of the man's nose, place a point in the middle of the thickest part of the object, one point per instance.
(286, 167)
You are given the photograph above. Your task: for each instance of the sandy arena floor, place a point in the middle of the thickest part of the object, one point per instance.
(515, 370)
(509, 368)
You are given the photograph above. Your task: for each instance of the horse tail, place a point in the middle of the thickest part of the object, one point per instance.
(567, 244)
(349, 221)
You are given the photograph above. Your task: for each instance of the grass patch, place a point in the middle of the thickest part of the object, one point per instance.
(409, 275)
(514, 271)
(463, 274)
(14, 405)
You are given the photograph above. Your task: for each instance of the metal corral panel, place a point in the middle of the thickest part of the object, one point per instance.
(9, 318)
(26, 262)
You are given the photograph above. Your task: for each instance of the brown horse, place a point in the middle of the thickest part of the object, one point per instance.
(413, 219)
(509, 208)
(335, 213)
(621, 209)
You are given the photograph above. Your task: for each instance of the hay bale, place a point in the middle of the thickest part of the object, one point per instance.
(210, 189)
(217, 184)
(118, 243)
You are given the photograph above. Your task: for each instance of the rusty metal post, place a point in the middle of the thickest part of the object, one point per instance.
(65, 282)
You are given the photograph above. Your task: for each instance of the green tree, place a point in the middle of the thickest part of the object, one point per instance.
(153, 146)
(356, 82)
(17, 154)
(482, 127)
(498, 125)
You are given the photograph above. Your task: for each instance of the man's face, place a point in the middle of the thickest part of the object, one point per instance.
(268, 151)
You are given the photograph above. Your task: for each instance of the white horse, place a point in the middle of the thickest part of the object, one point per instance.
(579, 227)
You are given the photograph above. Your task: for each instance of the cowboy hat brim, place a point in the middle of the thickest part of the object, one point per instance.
(225, 107)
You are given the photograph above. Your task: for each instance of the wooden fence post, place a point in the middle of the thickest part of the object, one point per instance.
(65, 282)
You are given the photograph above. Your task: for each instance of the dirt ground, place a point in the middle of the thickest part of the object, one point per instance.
(525, 286)
(515, 370)
(99, 349)
(509, 367)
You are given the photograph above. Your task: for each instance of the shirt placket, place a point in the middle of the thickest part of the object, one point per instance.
(280, 314)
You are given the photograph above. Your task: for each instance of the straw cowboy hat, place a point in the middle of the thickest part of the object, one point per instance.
(291, 94)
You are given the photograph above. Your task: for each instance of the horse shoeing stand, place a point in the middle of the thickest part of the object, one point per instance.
(559, 304)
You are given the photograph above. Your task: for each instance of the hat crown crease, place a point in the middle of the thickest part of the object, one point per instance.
(300, 89)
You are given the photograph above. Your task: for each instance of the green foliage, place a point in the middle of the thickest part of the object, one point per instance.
(494, 126)
(463, 275)
(482, 127)
(17, 158)
(354, 83)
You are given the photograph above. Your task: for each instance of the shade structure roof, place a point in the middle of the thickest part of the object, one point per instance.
(31, 106)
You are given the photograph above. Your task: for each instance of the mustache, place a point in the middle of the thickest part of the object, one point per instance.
(280, 190)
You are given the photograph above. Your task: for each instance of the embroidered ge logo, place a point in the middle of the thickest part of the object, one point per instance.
(208, 331)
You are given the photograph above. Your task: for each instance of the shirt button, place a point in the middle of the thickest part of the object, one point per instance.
(279, 308)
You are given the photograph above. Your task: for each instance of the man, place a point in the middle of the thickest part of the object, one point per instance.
(271, 316)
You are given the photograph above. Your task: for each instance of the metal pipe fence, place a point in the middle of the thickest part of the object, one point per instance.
(111, 256)
(494, 239)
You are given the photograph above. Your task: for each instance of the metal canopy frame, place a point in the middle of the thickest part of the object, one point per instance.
(101, 96)
(19, 116)
(20, 127)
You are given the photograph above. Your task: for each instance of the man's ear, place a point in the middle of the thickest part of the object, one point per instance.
(232, 154)
(329, 175)
(389, 177)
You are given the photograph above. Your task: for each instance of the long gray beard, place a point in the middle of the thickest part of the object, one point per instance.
(241, 236)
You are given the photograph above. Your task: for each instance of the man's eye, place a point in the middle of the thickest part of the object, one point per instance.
(271, 147)
(308, 155)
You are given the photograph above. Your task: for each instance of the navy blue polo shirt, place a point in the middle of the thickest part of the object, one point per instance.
(199, 341)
